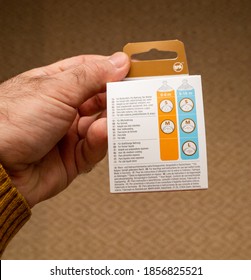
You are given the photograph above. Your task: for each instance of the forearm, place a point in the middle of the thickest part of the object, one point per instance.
(14, 210)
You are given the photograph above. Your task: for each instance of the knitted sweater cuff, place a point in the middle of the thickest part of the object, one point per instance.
(14, 210)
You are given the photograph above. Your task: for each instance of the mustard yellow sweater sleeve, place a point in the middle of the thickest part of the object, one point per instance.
(14, 210)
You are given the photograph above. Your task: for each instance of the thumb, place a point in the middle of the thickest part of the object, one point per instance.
(76, 85)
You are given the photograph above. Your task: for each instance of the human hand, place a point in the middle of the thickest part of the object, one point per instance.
(52, 122)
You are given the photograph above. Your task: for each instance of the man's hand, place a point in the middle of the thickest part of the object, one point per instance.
(52, 122)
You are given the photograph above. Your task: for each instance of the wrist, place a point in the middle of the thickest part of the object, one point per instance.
(6, 185)
(14, 209)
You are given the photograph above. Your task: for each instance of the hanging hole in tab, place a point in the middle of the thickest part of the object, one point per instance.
(154, 54)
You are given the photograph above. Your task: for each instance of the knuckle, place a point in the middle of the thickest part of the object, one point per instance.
(90, 75)
(79, 74)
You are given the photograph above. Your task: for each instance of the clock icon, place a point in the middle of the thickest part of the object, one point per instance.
(166, 106)
(188, 125)
(189, 148)
(186, 105)
(167, 126)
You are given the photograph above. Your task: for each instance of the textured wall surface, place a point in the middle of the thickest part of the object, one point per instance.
(86, 221)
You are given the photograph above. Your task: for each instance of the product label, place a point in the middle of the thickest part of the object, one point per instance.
(156, 135)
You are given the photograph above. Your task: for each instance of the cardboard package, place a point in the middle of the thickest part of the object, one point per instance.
(156, 129)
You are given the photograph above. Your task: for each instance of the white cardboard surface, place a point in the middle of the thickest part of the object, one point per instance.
(152, 149)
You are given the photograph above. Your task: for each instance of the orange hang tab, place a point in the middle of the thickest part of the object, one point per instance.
(157, 67)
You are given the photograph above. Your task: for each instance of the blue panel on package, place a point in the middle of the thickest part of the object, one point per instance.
(188, 130)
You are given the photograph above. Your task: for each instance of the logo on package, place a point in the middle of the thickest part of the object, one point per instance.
(178, 66)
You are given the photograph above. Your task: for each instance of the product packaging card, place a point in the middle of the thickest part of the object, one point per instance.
(156, 134)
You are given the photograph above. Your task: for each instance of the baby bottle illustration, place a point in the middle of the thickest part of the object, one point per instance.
(187, 121)
(167, 122)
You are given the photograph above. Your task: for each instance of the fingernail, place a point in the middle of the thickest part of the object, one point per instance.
(118, 59)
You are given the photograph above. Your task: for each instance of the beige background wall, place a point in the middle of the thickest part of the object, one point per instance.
(86, 221)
